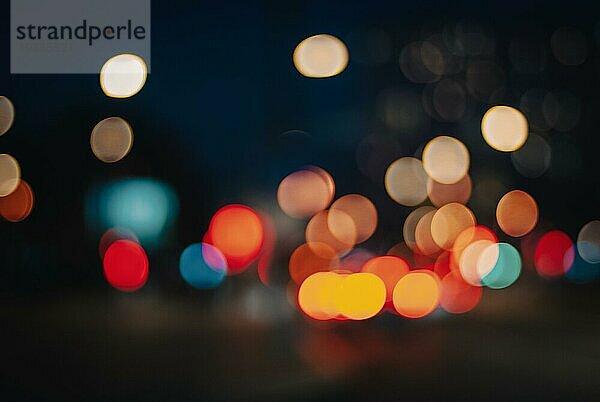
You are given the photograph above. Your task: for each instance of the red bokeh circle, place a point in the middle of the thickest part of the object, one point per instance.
(126, 265)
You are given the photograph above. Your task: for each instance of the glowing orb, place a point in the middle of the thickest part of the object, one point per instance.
(504, 128)
(145, 206)
(362, 212)
(554, 254)
(202, 266)
(446, 159)
(507, 268)
(123, 76)
(126, 265)
(316, 296)
(517, 213)
(112, 235)
(304, 193)
(7, 114)
(10, 174)
(310, 258)
(17, 206)
(389, 269)
(360, 296)
(320, 56)
(588, 242)
(449, 222)
(111, 139)
(416, 294)
(457, 296)
(406, 181)
(237, 231)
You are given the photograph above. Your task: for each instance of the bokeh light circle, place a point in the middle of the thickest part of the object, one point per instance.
(114, 234)
(446, 159)
(416, 294)
(146, 206)
(442, 194)
(202, 266)
(467, 237)
(310, 258)
(581, 271)
(588, 242)
(10, 174)
(449, 222)
(7, 114)
(343, 236)
(507, 268)
(111, 139)
(320, 56)
(316, 296)
(442, 264)
(504, 128)
(457, 296)
(237, 231)
(553, 254)
(406, 181)
(389, 269)
(362, 212)
(360, 296)
(517, 213)
(474, 264)
(17, 206)
(305, 192)
(424, 241)
(123, 76)
(410, 225)
(125, 265)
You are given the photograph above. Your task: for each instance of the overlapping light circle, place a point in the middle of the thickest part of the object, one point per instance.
(310, 258)
(457, 296)
(17, 206)
(553, 254)
(442, 194)
(588, 242)
(389, 269)
(125, 265)
(416, 294)
(114, 234)
(10, 174)
(446, 159)
(328, 295)
(237, 232)
(361, 211)
(305, 192)
(424, 239)
(478, 260)
(449, 222)
(341, 237)
(506, 269)
(7, 114)
(202, 266)
(406, 181)
(410, 225)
